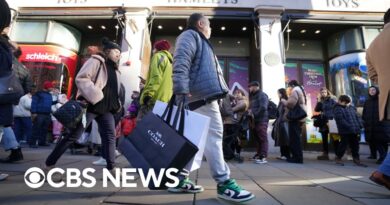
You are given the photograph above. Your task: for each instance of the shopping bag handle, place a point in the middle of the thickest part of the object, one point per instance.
(179, 116)
(168, 110)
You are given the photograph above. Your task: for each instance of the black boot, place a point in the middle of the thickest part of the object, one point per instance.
(16, 155)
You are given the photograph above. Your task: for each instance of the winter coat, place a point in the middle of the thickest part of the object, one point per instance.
(159, 82)
(378, 61)
(297, 96)
(196, 69)
(241, 107)
(23, 74)
(6, 110)
(347, 120)
(373, 128)
(85, 79)
(227, 111)
(41, 103)
(24, 106)
(259, 106)
(326, 107)
(280, 129)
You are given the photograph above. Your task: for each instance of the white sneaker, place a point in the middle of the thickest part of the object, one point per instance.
(3, 176)
(282, 158)
(261, 161)
(349, 158)
(100, 162)
(117, 153)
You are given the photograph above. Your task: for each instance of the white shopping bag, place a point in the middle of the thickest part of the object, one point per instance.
(333, 127)
(196, 127)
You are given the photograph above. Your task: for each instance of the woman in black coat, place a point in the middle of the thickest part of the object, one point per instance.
(374, 131)
(325, 106)
(6, 110)
(280, 129)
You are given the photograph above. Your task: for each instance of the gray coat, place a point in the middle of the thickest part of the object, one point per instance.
(196, 69)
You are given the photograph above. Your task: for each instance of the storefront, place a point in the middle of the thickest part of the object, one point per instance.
(321, 43)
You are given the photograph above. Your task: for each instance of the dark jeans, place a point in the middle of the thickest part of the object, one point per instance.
(352, 140)
(40, 129)
(373, 148)
(382, 148)
(325, 143)
(295, 132)
(262, 139)
(285, 151)
(23, 128)
(106, 124)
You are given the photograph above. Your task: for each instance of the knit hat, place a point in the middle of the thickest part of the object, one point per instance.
(162, 45)
(47, 85)
(254, 83)
(5, 15)
(107, 44)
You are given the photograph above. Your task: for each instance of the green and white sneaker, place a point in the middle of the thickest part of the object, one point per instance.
(186, 186)
(229, 190)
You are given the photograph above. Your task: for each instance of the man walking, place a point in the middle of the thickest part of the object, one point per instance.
(259, 110)
(159, 83)
(198, 80)
(378, 70)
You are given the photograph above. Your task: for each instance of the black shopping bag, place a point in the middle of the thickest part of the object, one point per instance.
(156, 144)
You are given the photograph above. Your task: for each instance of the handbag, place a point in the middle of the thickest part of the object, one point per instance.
(297, 113)
(70, 114)
(10, 89)
(319, 120)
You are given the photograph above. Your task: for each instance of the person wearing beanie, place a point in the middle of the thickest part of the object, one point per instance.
(159, 82)
(41, 115)
(99, 88)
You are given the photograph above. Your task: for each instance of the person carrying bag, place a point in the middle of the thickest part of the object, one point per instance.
(102, 100)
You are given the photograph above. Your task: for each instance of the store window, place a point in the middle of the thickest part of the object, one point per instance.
(29, 32)
(349, 77)
(345, 41)
(311, 75)
(304, 49)
(64, 35)
(370, 34)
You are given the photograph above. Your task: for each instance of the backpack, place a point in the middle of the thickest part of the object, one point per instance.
(272, 110)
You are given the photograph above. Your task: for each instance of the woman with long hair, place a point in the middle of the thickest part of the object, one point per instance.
(297, 96)
(280, 130)
(325, 105)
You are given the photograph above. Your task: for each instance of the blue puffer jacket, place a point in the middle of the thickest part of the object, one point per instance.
(196, 69)
(347, 120)
(41, 103)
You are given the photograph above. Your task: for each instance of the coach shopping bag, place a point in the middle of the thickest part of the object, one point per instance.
(156, 144)
(196, 127)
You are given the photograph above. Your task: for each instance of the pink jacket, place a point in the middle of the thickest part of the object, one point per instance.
(87, 88)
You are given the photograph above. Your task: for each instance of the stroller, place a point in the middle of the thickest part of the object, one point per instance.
(233, 134)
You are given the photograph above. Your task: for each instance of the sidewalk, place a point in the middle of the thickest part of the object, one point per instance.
(313, 183)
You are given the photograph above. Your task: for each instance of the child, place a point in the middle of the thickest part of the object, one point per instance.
(349, 126)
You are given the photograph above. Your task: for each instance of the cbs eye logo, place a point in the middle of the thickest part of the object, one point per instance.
(34, 177)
